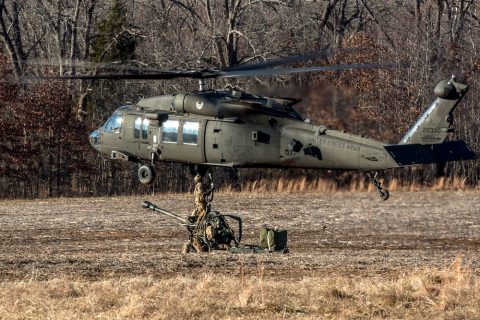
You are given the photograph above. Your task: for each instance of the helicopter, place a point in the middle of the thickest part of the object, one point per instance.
(236, 129)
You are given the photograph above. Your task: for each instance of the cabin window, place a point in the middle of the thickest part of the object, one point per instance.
(145, 125)
(114, 123)
(190, 132)
(136, 127)
(170, 131)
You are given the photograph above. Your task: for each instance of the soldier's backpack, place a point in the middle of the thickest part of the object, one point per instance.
(273, 239)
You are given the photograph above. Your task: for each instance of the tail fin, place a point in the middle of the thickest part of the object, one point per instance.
(435, 124)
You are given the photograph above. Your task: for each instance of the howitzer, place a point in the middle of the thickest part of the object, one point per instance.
(212, 232)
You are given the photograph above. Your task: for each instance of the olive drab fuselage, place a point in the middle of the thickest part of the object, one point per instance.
(254, 140)
(235, 129)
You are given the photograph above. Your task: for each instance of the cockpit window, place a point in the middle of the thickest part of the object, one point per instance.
(114, 123)
(141, 125)
(170, 131)
(136, 127)
(145, 125)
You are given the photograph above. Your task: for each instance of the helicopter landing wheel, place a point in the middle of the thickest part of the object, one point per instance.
(146, 174)
(383, 193)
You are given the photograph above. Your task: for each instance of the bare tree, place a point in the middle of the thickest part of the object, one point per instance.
(12, 34)
(427, 40)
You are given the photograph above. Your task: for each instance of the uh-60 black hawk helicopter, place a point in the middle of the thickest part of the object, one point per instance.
(236, 129)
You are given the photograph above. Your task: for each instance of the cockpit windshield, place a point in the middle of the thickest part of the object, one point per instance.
(114, 123)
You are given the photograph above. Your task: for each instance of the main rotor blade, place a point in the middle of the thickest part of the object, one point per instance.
(324, 53)
(283, 71)
(130, 65)
(132, 72)
(165, 75)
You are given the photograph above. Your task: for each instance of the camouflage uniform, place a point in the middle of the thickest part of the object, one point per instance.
(201, 193)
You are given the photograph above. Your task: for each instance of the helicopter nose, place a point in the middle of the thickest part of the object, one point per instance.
(94, 139)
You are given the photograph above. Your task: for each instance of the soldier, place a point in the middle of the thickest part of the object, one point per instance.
(211, 232)
(202, 192)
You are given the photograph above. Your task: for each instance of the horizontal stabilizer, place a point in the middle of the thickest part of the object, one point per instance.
(408, 154)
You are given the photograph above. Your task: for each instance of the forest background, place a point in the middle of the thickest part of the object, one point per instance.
(44, 126)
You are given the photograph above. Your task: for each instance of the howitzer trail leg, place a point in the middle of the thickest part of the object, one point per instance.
(384, 194)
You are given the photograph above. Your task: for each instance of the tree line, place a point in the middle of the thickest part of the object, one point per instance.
(44, 126)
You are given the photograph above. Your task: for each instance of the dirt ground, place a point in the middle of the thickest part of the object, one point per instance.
(329, 234)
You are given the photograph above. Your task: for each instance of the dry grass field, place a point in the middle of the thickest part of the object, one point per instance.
(352, 256)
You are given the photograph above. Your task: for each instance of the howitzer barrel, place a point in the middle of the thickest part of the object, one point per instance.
(153, 207)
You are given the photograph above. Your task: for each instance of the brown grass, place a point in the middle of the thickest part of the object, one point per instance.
(451, 292)
(329, 185)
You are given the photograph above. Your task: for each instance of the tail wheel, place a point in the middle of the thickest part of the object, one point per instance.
(146, 174)
(384, 194)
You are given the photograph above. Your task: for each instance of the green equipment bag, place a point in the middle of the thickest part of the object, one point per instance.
(273, 239)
